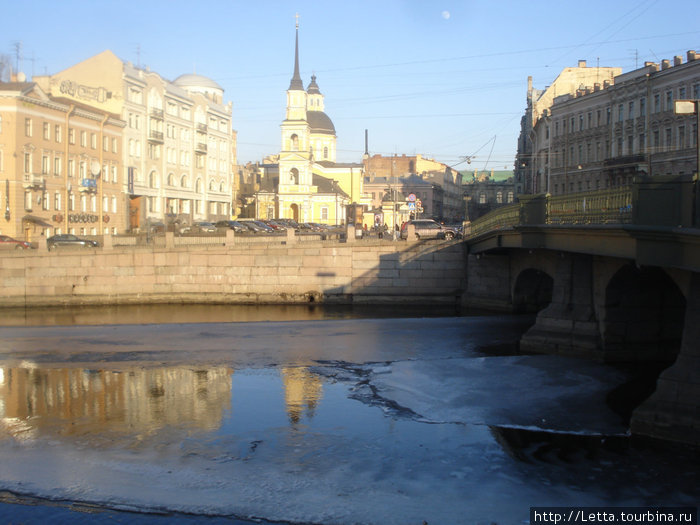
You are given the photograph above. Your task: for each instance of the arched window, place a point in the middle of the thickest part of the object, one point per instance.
(222, 187)
(183, 181)
(153, 180)
(198, 186)
(212, 185)
(171, 179)
(295, 142)
(294, 176)
(482, 198)
(325, 152)
(499, 197)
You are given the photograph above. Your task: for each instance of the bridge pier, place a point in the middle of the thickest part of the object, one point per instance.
(568, 326)
(672, 410)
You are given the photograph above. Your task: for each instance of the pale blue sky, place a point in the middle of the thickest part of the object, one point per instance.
(445, 79)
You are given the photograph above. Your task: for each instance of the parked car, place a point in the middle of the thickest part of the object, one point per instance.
(236, 226)
(8, 243)
(428, 229)
(67, 240)
(256, 226)
(202, 227)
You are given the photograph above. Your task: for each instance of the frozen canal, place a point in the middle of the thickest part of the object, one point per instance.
(328, 420)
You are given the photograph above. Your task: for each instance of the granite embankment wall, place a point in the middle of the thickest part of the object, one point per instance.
(317, 272)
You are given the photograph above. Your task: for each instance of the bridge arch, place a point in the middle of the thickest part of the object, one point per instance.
(644, 312)
(532, 291)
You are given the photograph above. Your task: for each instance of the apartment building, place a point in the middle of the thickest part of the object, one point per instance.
(60, 165)
(178, 141)
(532, 159)
(605, 136)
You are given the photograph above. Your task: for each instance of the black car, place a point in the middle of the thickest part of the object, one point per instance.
(236, 226)
(67, 239)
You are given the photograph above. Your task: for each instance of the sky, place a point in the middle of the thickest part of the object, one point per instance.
(445, 79)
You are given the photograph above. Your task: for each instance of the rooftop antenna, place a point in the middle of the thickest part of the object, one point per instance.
(18, 55)
(138, 56)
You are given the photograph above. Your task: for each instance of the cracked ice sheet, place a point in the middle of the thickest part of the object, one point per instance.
(535, 392)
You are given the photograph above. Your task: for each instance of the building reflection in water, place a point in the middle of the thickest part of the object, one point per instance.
(72, 401)
(302, 392)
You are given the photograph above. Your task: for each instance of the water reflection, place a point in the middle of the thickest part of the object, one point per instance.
(302, 392)
(71, 401)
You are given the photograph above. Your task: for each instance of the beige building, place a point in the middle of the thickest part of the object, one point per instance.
(178, 140)
(60, 165)
(607, 136)
(532, 161)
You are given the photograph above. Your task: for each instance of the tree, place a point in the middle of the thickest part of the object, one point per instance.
(5, 67)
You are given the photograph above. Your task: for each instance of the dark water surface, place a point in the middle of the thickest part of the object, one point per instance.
(311, 415)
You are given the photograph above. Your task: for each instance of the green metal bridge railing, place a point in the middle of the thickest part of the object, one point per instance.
(658, 202)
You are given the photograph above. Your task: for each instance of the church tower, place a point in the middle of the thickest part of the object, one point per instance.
(295, 156)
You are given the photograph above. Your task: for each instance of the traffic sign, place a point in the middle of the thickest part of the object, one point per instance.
(411, 197)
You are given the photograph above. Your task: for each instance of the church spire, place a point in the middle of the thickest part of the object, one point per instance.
(296, 82)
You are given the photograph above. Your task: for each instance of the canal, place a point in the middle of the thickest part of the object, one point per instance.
(312, 415)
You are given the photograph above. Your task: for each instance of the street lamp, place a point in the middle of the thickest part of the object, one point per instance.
(692, 107)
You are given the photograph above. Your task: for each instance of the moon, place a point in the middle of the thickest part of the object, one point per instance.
(446, 15)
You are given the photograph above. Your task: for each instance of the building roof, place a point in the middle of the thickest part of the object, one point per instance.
(326, 185)
(194, 80)
(319, 122)
(313, 87)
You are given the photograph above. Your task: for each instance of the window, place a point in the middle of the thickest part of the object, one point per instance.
(58, 133)
(45, 201)
(114, 145)
(669, 101)
(93, 141)
(28, 127)
(580, 122)
(630, 110)
(681, 137)
(71, 136)
(642, 107)
(642, 143)
(71, 167)
(608, 115)
(83, 138)
(44, 164)
(482, 198)
(620, 112)
(114, 204)
(499, 197)
(46, 131)
(27, 162)
(510, 196)
(657, 103)
(0, 123)
(681, 92)
(28, 201)
(324, 213)
(57, 165)
(57, 201)
(105, 143)
(325, 153)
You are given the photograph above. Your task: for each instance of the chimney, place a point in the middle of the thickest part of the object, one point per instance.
(691, 56)
(665, 64)
(581, 63)
(677, 60)
(596, 87)
(606, 84)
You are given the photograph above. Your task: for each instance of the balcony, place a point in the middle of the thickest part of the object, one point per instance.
(157, 113)
(32, 181)
(202, 128)
(155, 137)
(200, 148)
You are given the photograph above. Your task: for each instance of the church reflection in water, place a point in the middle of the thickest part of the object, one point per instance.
(37, 401)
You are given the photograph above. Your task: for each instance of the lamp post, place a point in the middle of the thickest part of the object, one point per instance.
(692, 107)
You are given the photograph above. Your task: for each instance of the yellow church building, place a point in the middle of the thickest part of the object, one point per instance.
(310, 185)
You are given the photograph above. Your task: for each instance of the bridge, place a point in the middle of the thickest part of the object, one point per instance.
(613, 275)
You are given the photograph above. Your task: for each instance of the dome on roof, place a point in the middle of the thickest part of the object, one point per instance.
(196, 81)
(319, 122)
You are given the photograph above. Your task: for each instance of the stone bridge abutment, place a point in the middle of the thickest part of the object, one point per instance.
(608, 309)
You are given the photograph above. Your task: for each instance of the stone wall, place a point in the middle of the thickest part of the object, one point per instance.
(331, 272)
